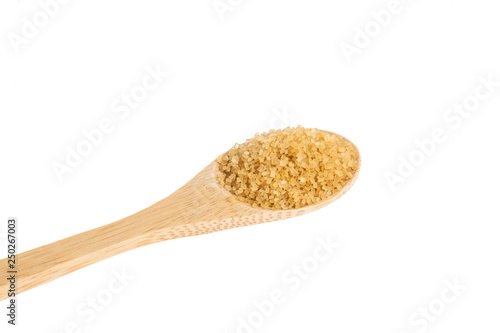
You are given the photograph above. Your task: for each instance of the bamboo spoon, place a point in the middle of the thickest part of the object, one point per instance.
(200, 206)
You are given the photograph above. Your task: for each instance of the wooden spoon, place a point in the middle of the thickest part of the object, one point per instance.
(200, 206)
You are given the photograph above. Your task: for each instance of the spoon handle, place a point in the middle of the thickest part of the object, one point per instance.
(191, 210)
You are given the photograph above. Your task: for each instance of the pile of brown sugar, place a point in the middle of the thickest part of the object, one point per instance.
(289, 168)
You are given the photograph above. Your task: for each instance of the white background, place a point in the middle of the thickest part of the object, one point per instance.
(232, 74)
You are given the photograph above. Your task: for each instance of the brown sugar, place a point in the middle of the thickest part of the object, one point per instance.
(288, 168)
